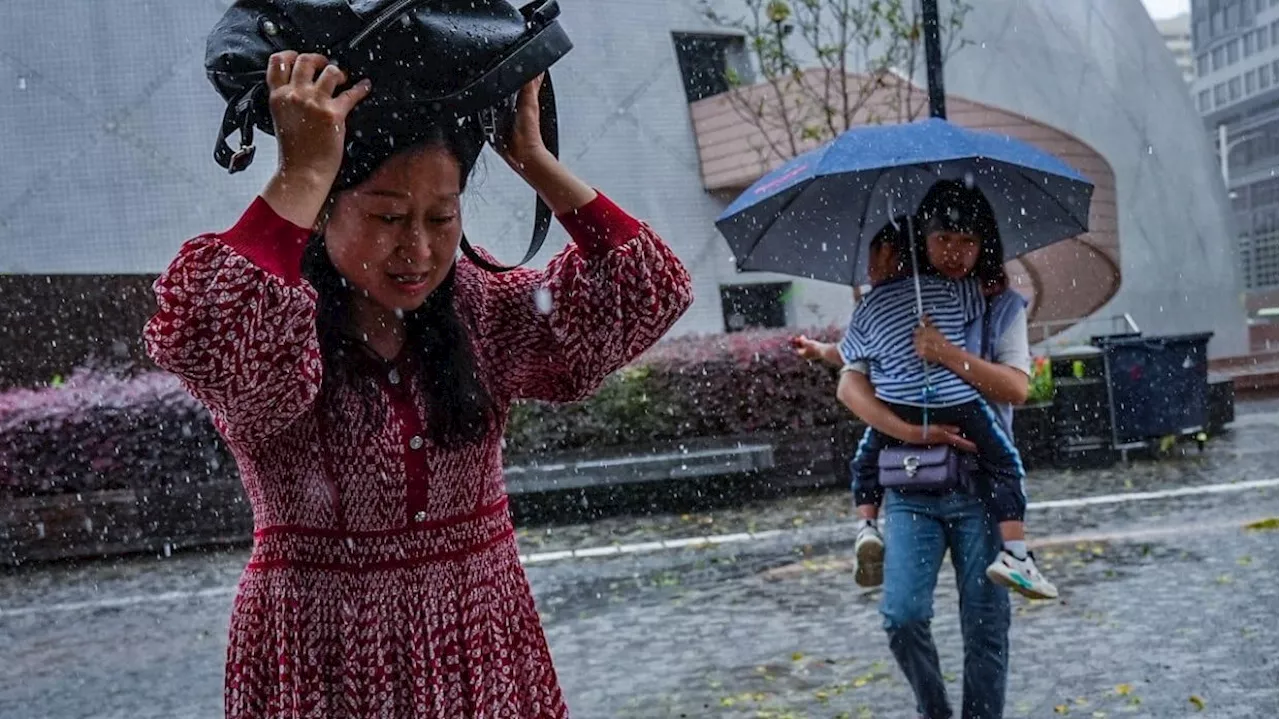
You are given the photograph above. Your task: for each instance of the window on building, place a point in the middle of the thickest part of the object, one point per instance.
(1260, 38)
(1233, 52)
(1233, 88)
(1248, 44)
(1275, 33)
(1220, 94)
(1202, 65)
(709, 63)
(1202, 101)
(1264, 77)
(1250, 82)
(1219, 58)
(1263, 193)
(1233, 15)
(1218, 19)
(755, 306)
(1259, 5)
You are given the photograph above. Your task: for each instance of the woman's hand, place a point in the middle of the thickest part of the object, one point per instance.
(310, 121)
(524, 145)
(311, 128)
(524, 150)
(939, 434)
(931, 344)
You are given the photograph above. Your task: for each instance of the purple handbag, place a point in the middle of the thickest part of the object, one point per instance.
(922, 469)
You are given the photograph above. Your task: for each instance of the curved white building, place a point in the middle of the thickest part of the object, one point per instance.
(109, 131)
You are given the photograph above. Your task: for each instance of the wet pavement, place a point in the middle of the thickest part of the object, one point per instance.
(1168, 609)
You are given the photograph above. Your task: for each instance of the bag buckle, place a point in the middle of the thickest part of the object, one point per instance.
(911, 465)
(489, 125)
(242, 158)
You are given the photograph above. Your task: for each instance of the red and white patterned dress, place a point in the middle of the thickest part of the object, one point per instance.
(389, 585)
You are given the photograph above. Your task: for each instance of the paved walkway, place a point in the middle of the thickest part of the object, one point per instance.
(1169, 606)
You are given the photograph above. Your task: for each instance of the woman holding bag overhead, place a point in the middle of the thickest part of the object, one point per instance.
(362, 376)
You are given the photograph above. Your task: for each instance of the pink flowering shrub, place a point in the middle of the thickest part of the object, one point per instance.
(102, 431)
(688, 387)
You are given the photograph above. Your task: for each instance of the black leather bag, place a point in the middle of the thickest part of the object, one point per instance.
(430, 62)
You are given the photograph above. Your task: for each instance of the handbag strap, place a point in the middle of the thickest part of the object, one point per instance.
(542, 212)
(986, 331)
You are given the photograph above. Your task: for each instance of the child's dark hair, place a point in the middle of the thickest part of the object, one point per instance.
(893, 234)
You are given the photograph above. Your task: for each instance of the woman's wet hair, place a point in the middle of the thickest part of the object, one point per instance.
(950, 206)
(460, 409)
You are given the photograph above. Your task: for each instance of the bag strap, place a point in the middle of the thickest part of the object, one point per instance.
(542, 213)
(986, 331)
(239, 117)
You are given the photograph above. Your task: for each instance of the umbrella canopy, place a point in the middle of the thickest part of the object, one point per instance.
(813, 216)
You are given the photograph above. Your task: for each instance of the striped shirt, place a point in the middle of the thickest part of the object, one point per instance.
(882, 333)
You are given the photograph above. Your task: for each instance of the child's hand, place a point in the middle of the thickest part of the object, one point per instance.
(807, 349)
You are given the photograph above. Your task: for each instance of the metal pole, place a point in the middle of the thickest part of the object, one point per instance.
(933, 59)
(1223, 153)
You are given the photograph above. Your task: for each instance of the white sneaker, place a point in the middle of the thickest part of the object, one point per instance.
(1021, 575)
(868, 557)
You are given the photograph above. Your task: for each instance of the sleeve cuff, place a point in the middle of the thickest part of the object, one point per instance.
(269, 241)
(600, 226)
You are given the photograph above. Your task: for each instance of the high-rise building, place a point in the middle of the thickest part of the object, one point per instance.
(1235, 44)
(1176, 32)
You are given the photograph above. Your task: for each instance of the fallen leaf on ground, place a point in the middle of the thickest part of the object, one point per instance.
(1264, 524)
(1124, 690)
(1196, 702)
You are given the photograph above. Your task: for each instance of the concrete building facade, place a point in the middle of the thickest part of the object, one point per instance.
(109, 163)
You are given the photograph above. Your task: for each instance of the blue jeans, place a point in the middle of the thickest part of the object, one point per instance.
(918, 529)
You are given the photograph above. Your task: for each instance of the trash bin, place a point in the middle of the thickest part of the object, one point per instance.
(1081, 416)
(1158, 386)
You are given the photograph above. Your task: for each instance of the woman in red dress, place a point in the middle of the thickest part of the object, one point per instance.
(362, 377)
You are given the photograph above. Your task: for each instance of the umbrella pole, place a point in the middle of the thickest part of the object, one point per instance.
(933, 59)
(915, 276)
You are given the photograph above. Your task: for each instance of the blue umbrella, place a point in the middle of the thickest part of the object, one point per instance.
(812, 216)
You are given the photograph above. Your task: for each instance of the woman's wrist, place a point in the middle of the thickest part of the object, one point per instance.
(298, 195)
(555, 184)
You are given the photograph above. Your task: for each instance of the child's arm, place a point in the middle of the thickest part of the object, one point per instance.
(826, 352)
(856, 393)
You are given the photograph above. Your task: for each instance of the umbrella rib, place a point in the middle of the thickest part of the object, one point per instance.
(1021, 173)
(776, 216)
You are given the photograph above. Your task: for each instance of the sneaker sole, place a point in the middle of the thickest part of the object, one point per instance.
(869, 565)
(1019, 584)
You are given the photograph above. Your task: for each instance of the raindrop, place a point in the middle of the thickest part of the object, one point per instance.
(1151, 150)
(542, 300)
(22, 83)
(969, 181)
(399, 313)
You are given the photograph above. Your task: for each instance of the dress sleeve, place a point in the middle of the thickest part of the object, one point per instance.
(236, 323)
(555, 334)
